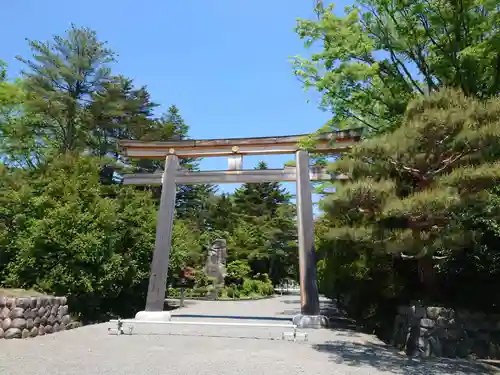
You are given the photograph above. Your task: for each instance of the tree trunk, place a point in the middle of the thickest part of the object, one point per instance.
(427, 277)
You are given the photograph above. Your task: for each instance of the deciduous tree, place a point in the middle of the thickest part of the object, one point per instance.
(381, 54)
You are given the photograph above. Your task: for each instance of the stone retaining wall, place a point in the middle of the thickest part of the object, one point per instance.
(24, 317)
(442, 332)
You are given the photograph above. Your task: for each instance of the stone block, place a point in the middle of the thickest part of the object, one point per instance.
(13, 333)
(23, 302)
(433, 312)
(18, 323)
(427, 323)
(28, 313)
(6, 324)
(4, 313)
(25, 333)
(41, 311)
(16, 312)
(30, 323)
(34, 332)
(51, 320)
(62, 310)
(65, 320)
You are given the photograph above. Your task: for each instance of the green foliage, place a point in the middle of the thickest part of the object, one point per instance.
(266, 232)
(236, 272)
(67, 225)
(59, 79)
(257, 287)
(63, 232)
(435, 164)
(380, 55)
(416, 192)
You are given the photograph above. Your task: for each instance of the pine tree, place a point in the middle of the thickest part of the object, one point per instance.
(73, 101)
(260, 200)
(409, 188)
(61, 78)
(266, 208)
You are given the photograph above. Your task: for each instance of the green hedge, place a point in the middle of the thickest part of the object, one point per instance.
(251, 288)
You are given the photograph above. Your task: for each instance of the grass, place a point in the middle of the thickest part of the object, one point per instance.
(8, 292)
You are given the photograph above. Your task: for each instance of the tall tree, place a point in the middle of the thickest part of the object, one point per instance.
(410, 187)
(74, 102)
(120, 111)
(265, 210)
(378, 56)
(60, 80)
(260, 200)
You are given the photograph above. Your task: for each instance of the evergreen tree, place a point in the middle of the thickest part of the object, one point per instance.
(260, 200)
(221, 213)
(59, 80)
(409, 189)
(265, 210)
(73, 102)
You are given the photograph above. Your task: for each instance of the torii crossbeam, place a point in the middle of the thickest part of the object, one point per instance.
(235, 149)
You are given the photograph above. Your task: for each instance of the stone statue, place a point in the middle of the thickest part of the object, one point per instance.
(216, 262)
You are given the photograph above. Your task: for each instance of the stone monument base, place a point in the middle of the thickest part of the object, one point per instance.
(310, 321)
(154, 316)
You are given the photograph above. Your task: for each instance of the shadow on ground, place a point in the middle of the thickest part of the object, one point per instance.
(383, 358)
(292, 301)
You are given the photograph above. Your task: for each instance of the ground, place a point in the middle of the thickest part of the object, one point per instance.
(9, 292)
(201, 350)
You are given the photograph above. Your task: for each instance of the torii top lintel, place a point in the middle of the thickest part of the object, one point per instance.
(330, 142)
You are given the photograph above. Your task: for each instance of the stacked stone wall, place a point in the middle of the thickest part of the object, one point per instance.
(443, 332)
(23, 317)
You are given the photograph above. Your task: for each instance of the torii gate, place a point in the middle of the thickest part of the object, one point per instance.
(234, 149)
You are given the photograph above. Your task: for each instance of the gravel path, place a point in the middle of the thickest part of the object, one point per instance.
(195, 350)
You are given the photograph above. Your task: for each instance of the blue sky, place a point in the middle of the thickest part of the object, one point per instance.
(225, 64)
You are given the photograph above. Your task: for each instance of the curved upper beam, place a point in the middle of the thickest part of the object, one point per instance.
(326, 143)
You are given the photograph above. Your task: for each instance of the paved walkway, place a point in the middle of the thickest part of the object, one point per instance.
(196, 350)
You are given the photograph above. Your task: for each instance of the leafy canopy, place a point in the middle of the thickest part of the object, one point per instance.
(408, 185)
(381, 54)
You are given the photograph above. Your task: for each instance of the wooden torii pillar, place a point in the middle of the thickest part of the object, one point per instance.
(235, 149)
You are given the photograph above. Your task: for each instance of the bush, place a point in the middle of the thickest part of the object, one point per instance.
(257, 288)
(200, 279)
(233, 292)
(250, 287)
(237, 272)
(64, 233)
(266, 288)
(264, 277)
(173, 293)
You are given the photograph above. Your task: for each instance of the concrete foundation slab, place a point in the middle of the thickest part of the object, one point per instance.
(154, 316)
